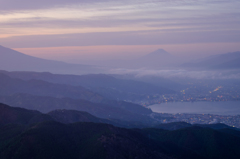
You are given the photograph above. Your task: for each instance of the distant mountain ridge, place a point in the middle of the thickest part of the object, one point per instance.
(10, 86)
(12, 60)
(22, 116)
(154, 60)
(106, 85)
(109, 110)
(159, 59)
(45, 96)
(223, 61)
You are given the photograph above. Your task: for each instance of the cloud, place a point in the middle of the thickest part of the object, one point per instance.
(155, 37)
(180, 73)
(29, 23)
(6, 5)
(201, 23)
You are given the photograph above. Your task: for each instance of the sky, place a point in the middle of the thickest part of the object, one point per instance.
(75, 30)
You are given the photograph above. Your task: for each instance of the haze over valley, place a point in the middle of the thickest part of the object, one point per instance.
(119, 79)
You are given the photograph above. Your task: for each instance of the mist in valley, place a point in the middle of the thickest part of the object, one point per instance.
(119, 79)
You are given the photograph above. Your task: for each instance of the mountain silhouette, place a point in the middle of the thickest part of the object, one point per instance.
(12, 60)
(30, 134)
(222, 61)
(10, 86)
(15, 115)
(105, 85)
(157, 59)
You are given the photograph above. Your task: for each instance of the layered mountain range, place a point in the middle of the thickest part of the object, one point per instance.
(60, 116)
(44, 96)
(104, 85)
(72, 134)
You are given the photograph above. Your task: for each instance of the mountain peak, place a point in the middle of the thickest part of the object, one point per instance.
(159, 52)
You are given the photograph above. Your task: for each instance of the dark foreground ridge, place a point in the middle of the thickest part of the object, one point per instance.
(26, 134)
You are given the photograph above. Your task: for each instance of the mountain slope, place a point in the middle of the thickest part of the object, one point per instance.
(11, 115)
(20, 116)
(10, 86)
(233, 64)
(154, 60)
(108, 86)
(160, 59)
(45, 97)
(157, 59)
(86, 140)
(92, 140)
(160, 53)
(207, 142)
(73, 116)
(47, 104)
(12, 60)
(223, 61)
(82, 140)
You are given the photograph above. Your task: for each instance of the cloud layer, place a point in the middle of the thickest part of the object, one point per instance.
(180, 73)
(29, 23)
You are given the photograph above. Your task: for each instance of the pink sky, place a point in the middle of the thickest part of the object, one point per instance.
(78, 54)
(90, 29)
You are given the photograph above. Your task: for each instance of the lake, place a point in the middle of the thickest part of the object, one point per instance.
(220, 108)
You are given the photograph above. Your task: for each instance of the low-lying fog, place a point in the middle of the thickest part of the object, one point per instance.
(179, 73)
